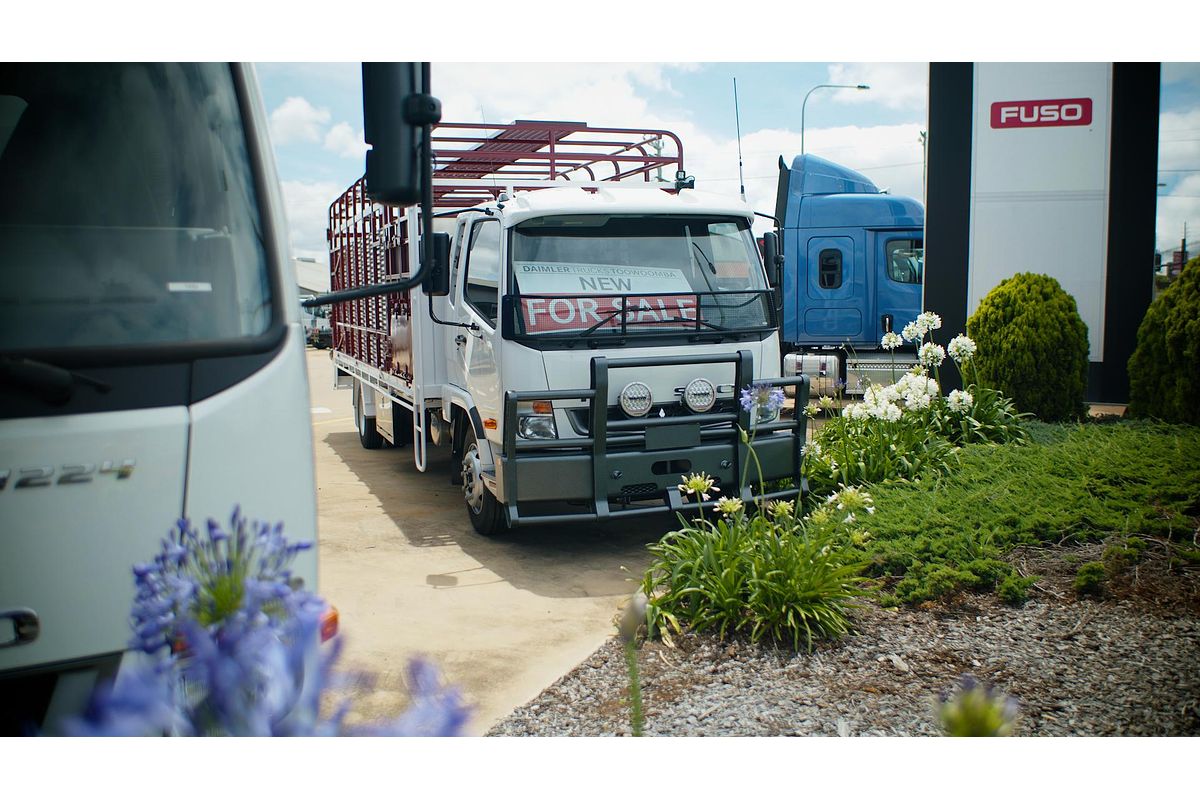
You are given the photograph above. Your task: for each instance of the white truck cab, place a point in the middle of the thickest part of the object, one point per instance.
(151, 354)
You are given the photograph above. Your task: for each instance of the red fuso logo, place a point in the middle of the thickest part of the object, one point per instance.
(1042, 113)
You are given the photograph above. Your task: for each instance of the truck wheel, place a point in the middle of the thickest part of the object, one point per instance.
(486, 513)
(368, 435)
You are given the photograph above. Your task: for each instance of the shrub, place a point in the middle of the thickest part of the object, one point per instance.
(1014, 589)
(1033, 346)
(1089, 578)
(768, 575)
(1164, 371)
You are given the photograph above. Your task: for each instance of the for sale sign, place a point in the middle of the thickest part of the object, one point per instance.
(570, 297)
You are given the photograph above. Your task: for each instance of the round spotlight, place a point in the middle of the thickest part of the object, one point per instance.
(700, 395)
(636, 399)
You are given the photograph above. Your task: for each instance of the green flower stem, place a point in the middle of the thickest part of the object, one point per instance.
(635, 689)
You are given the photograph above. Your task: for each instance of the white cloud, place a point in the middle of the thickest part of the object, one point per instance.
(343, 140)
(890, 155)
(1180, 207)
(1179, 140)
(297, 120)
(904, 87)
(307, 207)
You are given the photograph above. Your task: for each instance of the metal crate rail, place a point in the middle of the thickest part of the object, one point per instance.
(364, 249)
(541, 150)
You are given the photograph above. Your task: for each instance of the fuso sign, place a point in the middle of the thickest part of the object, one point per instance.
(1042, 113)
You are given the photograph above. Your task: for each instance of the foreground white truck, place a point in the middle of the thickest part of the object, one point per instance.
(586, 335)
(152, 360)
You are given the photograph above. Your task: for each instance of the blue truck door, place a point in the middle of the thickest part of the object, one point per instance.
(899, 271)
(835, 290)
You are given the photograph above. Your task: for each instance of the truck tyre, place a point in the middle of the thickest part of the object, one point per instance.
(368, 434)
(486, 513)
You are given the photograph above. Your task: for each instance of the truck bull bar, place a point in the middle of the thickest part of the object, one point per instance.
(649, 453)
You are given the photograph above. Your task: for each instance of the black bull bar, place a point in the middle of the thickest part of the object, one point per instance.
(595, 471)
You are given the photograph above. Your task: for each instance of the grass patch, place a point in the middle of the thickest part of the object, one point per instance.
(942, 533)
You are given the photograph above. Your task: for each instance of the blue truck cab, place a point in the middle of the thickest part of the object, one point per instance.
(852, 271)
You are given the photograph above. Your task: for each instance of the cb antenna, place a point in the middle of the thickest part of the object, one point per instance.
(738, 122)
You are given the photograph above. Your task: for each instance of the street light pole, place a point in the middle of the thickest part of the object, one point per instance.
(860, 86)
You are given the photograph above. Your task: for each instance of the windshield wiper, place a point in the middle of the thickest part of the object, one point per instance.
(711, 266)
(53, 385)
(607, 319)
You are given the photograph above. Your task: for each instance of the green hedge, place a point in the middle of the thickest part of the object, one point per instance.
(1164, 372)
(1033, 346)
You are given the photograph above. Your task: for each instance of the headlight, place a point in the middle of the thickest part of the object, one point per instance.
(700, 395)
(767, 414)
(636, 399)
(537, 421)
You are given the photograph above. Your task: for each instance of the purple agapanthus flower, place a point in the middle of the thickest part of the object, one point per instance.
(762, 397)
(434, 709)
(239, 649)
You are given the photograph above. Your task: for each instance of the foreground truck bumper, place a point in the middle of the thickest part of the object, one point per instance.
(632, 467)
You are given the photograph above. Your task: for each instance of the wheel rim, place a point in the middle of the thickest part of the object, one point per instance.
(472, 482)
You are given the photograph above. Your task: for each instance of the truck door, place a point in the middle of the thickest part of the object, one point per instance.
(900, 265)
(835, 290)
(478, 301)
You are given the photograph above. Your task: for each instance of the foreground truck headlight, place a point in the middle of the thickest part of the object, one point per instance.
(536, 421)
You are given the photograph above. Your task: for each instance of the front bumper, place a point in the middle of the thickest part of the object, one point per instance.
(632, 467)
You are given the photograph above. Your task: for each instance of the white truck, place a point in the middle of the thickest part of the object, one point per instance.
(151, 354)
(584, 337)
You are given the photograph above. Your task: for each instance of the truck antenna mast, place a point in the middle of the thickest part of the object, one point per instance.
(738, 122)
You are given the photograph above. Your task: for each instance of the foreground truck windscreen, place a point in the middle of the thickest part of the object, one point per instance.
(151, 356)
(593, 338)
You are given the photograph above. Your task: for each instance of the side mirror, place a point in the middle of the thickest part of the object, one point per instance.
(437, 272)
(771, 258)
(394, 113)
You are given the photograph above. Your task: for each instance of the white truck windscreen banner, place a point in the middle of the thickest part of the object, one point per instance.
(571, 296)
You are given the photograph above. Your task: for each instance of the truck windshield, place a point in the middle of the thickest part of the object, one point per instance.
(644, 274)
(128, 213)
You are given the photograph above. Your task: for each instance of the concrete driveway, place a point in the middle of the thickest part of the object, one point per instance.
(504, 618)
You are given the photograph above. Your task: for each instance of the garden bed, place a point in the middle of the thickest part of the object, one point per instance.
(1123, 665)
(1115, 654)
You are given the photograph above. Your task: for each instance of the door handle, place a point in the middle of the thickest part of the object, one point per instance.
(25, 626)
(460, 340)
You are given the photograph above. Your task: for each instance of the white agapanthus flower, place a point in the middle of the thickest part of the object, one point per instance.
(892, 413)
(917, 401)
(891, 340)
(931, 355)
(855, 411)
(959, 400)
(962, 348)
(912, 333)
(928, 321)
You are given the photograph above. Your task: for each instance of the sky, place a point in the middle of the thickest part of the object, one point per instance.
(315, 116)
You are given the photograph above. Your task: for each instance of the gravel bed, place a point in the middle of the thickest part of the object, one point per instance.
(1115, 667)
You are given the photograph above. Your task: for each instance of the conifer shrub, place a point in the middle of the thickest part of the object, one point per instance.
(1164, 371)
(1033, 346)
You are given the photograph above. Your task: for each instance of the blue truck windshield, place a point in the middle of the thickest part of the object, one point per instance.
(128, 213)
(611, 274)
